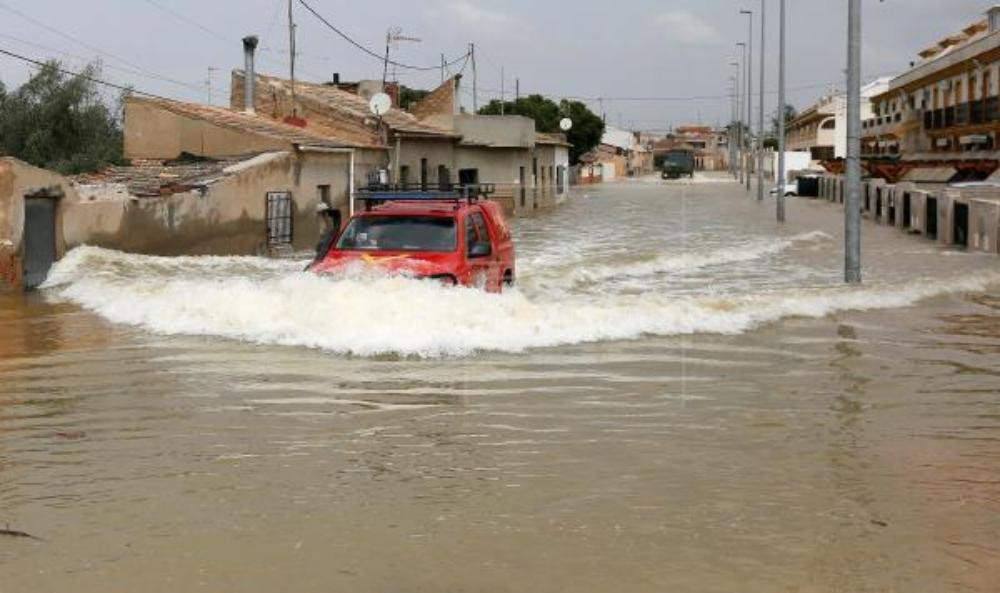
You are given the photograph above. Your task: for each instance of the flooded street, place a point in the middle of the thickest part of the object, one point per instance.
(679, 396)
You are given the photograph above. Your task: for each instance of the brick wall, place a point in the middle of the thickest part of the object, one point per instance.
(441, 101)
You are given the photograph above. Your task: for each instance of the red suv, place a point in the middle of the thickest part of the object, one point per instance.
(459, 241)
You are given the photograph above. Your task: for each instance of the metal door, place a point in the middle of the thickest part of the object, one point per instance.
(39, 240)
(279, 218)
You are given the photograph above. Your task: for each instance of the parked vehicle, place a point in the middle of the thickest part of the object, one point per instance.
(677, 163)
(454, 237)
(790, 189)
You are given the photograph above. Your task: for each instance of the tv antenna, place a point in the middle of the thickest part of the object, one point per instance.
(392, 38)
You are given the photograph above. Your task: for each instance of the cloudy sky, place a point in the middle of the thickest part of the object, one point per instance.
(651, 50)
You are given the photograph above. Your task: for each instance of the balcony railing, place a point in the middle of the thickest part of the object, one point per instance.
(965, 114)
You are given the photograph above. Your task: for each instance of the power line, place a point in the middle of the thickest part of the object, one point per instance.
(139, 70)
(80, 74)
(372, 53)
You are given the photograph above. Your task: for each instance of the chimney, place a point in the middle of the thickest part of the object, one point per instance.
(249, 74)
(993, 14)
(336, 78)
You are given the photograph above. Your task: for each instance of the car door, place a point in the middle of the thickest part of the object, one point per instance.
(479, 252)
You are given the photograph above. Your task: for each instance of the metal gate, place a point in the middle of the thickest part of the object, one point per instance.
(39, 240)
(279, 218)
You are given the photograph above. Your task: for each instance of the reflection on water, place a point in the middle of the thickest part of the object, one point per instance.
(193, 425)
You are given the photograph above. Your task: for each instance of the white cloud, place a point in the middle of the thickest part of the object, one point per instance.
(687, 28)
(471, 13)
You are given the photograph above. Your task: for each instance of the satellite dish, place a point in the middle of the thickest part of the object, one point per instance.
(380, 104)
(565, 124)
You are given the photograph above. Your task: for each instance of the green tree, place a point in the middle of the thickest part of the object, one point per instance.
(790, 114)
(587, 126)
(408, 96)
(60, 122)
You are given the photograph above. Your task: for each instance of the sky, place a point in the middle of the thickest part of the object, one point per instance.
(655, 63)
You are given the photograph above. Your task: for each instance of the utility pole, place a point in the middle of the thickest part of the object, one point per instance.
(443, 66)
(760, 117)
(502, 89)
(291, 54)
(517, 89)
(737, 101)
(749, 89)
(208, 83)
(475, 79)
(780, 177)
(743, 129)
(852, 213)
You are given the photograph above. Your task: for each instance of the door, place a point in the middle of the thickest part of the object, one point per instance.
(39, 240)
(479, 251)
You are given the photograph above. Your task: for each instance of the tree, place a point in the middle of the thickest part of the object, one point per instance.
(408, 96)
(587, 127)
(790, 114)
(60, 121)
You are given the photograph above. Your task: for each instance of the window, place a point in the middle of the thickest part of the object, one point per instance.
(323, 194)
(404, 176)
(468, 176)
(444, 177)
(423, 174)
(830, 124)
(279, 217)
(477, 238)
(399, 233)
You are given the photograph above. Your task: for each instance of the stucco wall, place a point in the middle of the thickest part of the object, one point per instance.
(18, 179)
(228, 218)
(497, 130)
(152, 132)
(437, 152)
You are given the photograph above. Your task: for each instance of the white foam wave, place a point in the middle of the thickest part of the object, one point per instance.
(409, 317)
(680, 262)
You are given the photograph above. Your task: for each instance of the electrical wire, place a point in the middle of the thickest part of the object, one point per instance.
(139, 70)
(373, 54)
(81, 75)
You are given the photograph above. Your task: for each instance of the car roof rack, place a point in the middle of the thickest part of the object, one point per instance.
(376, 194)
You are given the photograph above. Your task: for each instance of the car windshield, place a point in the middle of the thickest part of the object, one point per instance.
(399, 233)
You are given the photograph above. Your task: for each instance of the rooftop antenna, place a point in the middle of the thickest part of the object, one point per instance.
(392, 38)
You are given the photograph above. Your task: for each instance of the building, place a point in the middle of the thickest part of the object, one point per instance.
(821, 129)
(710, 146)
(433, 144)
(939, 120)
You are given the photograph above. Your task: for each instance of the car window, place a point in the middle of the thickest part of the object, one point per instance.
(477, 235)
(399, 233)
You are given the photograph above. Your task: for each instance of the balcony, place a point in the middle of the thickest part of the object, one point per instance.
(965, 114)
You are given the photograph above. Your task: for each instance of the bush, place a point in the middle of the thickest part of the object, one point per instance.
(60, 122)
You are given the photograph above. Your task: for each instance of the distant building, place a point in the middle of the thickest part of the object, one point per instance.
(710, 146)
(821, 128)
(940, 118)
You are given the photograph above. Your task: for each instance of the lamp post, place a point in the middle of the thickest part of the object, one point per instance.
(760, 107)
(735, 123)
(749, 88)
(852, 213)
(780, 177)
(743, 129)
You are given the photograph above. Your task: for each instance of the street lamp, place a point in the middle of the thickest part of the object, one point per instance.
(760, 107)
(852, 214)
(742, 129)
(780, 177)
(749, 88)
(734, 120)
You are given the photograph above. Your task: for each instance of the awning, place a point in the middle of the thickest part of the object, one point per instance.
(929, 175)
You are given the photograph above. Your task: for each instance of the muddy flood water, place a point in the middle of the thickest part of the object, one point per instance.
(680, 396)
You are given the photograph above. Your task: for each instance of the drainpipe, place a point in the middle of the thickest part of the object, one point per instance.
(249, 75)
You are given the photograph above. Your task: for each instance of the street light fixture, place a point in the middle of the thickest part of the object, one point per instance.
(749, 90)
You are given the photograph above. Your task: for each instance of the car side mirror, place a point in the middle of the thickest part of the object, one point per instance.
(480, 250)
